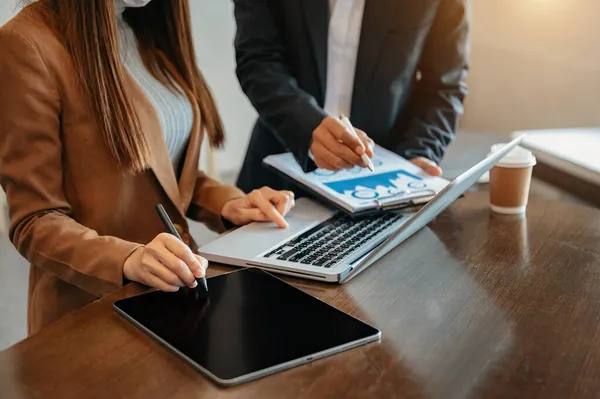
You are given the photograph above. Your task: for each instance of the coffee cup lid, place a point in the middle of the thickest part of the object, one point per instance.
(518, 157)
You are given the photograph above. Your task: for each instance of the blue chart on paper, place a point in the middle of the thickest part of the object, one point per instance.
(375, 186)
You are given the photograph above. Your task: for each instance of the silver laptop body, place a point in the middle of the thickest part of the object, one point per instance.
(323, 244)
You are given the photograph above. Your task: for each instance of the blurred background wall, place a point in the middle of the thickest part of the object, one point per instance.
(535, 64)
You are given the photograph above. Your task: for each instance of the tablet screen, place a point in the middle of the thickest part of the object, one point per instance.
(251, 325)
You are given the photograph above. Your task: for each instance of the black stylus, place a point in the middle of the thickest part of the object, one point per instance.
(164, 217)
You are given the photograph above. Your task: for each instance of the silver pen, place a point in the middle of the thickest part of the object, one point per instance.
(365, 158)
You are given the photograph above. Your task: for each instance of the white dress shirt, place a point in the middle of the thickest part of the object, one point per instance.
(345, 24)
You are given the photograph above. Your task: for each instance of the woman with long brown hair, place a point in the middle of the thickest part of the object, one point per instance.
(102, 114)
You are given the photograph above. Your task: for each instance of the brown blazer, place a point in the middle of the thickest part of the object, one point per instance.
(73, 214)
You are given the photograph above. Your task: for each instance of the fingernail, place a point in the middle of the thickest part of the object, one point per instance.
(360, 150)
(194, 285)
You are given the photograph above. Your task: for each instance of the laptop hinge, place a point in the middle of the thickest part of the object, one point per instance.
(277, 270)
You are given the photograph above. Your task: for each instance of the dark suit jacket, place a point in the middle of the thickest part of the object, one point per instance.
(409, 82)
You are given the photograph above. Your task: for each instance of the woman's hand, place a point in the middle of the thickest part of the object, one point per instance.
(261, 205)
(165, 263)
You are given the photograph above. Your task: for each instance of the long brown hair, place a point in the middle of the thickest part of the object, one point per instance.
(163, 31)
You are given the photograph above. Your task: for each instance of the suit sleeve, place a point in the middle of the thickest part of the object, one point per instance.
(291, 113)
(208, 200)
(436, 103)
(31, 173)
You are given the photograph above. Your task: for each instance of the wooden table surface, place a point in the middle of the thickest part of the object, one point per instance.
(474, 306)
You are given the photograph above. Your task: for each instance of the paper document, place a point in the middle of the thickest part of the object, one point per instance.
(394, 182)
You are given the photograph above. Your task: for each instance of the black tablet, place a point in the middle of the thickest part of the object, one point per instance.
(251, 325)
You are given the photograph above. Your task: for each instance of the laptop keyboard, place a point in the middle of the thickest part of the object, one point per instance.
(333, 240)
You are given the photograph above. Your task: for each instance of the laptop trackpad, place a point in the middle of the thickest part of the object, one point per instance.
(255, 238)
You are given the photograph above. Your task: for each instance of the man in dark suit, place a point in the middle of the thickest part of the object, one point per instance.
(397, 67)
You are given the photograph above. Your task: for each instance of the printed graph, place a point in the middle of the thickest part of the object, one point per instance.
(377, 185)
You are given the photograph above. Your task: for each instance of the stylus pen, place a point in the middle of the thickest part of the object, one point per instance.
(172, 230)
(365, 158)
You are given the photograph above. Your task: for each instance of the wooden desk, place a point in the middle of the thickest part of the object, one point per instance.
(476, 306)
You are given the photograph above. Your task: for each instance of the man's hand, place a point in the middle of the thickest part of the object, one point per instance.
(334, 147)
(428, 166)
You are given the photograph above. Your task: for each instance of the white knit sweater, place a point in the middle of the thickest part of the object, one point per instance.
(173, 109)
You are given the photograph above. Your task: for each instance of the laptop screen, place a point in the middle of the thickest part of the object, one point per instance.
(437, 205)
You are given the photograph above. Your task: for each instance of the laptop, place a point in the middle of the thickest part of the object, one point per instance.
(331, 246)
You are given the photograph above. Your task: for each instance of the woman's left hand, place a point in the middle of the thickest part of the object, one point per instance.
(262, 205)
